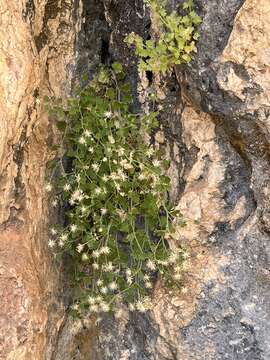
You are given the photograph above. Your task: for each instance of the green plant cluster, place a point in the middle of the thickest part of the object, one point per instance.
(117, 193)
(176, 41)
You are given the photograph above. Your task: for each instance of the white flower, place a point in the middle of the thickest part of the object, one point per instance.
(150, 152)
(98, 191)
(51, 243)
(105, 178)
(90, 149)
(64, 237)
(77, 195)
(75, 307)
(96, 254)
(173, 258)
(54, 203)
(104, 307)
(93, 308)
(87, 133)
(82, 140)
(131, 307)
(48, 187)
(140, 306)
(108, 267)
(128, 272)
(148, 285)
(83, 209)
(129, 280)
(151, 265)
(95, 266)
(105, 250)
(104, 290)
(73, 228)
(99, 282)
(53, 231)
(156, 163)
(67, 187)
(95, 167)
(146, 278)
(61, 243)
(121, 151)
(80, 247)
(108, 114)
(91, 300)
(113, 285)
(103, 211)
(111, 139)
(104, 159)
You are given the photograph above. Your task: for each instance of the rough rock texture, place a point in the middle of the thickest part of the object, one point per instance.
(36, 58)
(215, 128)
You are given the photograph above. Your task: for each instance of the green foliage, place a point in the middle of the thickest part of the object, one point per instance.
(119, 216)
(176, 42)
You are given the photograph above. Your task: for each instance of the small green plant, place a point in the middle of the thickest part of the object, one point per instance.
(117, 192)
(176, 42)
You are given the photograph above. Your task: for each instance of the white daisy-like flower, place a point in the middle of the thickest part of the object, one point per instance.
(82, 140)
(96, 254)
(150, 152)
(105, 178)
(156, 163)
(90, 149)
(105, 250)
(53, 231)
(80, 247)
(64, 237)
(151, 265)
(129, 280)
(61, 243)
(48, 187)
(87, 133)
(131, 307)
(146, 277)
(73, 228)
(108, 267)
(75, 307)
(93, 308)
(140, 306)
(173, 258)
(99, 282)
(121, 151)
(67, 187)
(108, 114)
(98, 191)
(104, 290)
(148, 285)
(104, 307)
(51, 243)
(91, 300)
(113, 286)
(95, 266)
(103, 211)
(83, 209)
(128, 272)
(95, 167)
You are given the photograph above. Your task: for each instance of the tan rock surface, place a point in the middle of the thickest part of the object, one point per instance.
(29, 319)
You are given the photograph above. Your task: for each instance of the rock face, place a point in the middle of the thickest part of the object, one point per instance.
(216, 130)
